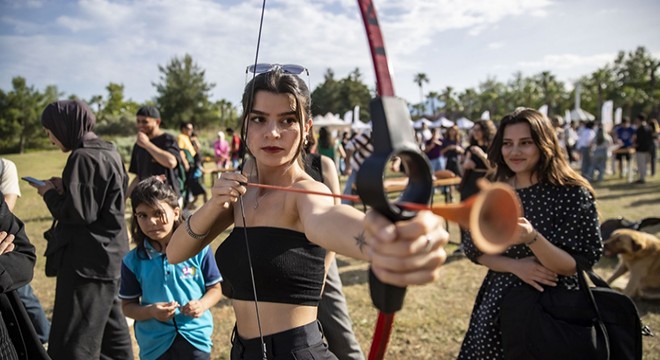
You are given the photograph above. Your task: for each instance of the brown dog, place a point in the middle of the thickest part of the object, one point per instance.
(639, 253)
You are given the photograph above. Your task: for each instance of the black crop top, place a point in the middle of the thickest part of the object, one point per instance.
(287, 267)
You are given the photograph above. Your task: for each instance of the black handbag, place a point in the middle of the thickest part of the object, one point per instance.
(54, 253)
(589, 323)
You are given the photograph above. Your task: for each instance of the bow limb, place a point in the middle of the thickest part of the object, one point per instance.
(388, 112)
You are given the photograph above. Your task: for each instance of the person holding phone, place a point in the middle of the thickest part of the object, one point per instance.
(87, 319)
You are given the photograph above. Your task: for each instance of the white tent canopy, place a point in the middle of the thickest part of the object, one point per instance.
(360, 126)
(443, 122)
(464, 123)
(329, 120)
(581, 115)
(418, 124)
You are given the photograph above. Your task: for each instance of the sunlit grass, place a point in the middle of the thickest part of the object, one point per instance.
(435, 316)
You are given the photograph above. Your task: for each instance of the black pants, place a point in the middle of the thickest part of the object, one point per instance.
(301, 343)
(87, 319)
(182, 349)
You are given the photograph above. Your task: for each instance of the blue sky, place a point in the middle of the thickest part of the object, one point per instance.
(81, 46)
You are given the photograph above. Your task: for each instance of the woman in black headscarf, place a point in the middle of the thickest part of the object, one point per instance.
(87, 203)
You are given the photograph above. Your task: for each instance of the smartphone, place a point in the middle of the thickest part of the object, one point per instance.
(32, 180)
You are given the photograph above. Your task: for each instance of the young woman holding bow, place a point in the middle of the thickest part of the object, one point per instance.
(281, 237)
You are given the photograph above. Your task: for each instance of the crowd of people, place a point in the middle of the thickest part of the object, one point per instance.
(277, 265)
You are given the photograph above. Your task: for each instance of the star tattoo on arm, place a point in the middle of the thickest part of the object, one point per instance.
(360, 241)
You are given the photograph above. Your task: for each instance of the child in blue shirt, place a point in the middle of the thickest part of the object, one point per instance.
(170, 303)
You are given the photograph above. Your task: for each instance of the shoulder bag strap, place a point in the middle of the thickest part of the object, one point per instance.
(582, 266)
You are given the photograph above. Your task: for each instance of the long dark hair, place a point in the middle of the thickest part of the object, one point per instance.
(326, 140)
(552, 166)
(277, 81)
(150, 191)
(488, 131)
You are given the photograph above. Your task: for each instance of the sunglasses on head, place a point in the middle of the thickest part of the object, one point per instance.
(286, 68)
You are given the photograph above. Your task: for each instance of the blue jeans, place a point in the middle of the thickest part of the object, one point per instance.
(35, 312)
(348, 187)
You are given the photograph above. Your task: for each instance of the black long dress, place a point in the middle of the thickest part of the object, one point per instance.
(567, 217)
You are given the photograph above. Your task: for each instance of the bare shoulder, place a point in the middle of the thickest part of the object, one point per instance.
(311, 185)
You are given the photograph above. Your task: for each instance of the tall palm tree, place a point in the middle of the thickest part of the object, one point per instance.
(420, 79)
(433, 96)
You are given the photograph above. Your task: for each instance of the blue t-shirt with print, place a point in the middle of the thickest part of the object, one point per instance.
(625, 134)
(152, 279)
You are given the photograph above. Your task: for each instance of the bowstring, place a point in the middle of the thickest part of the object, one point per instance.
(254, 285)
(247, 246)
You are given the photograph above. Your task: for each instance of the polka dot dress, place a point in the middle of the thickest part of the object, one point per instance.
(567, 217)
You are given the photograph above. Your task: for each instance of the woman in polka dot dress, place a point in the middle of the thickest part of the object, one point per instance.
(560, 218)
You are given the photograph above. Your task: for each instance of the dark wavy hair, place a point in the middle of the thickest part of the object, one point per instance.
(552, 166)
(150, 191)
(277, 81)
(488, 131)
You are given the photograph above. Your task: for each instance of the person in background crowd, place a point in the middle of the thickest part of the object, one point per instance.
(425, 133)
(357, 150)
(329, 146)
(155, 152)
(452, 150)
(624, 138)
(187, 150)
(560, 221)
(643, 143)
(586, 136)
(475, 163)
(18, 339)
(432, 148)
(571, 141)
(11, 191)
(284, 235)
(87, 319)
(170, 303)
(221, 151)
(655, 128)
(346, 136)
(601, 153)
(332, 310)
(235, 146)
(196, 175)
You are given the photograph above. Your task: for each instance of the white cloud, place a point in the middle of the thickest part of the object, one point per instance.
(567, 61)
(85, 45)
(496, 45)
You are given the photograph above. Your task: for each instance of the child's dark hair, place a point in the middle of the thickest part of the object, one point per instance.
(150, 192)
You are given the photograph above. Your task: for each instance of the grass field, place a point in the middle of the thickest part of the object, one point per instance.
(434, 318)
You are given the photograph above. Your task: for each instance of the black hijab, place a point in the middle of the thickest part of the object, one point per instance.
(70, 121)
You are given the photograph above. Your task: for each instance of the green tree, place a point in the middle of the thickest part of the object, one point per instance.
(340, 96)
(492, 97)
(96, 103)
(550, 92)
(451, 107)
(638, 70)
(20, 112)
(354, 92)
(183, 94)
(469, 100)
(433, 96)
(227, 113)
(115, 104)
(325, 98)
(420, 79)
